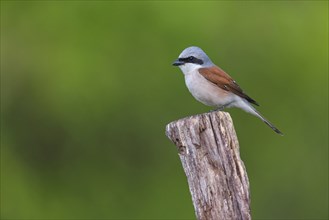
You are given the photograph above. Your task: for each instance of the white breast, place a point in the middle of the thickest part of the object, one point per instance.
(205, 91)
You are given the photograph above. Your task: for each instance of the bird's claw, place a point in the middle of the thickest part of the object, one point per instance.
(218, 109)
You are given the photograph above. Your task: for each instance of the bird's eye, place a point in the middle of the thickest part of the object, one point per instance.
(191, 58)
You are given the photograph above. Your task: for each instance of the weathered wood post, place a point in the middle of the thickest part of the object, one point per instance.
(209, 151)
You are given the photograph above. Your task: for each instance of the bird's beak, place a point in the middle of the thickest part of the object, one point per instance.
(177, 63)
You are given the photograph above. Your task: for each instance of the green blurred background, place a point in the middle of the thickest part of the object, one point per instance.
(87, 88)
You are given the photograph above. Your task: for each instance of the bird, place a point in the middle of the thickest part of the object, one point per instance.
(212, 86)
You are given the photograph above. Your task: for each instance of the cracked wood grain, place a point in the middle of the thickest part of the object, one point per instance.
(209, 151)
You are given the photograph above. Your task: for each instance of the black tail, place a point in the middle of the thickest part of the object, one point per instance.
(268, 123)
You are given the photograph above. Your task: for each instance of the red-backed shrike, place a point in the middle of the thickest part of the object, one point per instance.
(212, 86)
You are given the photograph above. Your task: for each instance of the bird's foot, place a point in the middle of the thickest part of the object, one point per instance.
(218, 109)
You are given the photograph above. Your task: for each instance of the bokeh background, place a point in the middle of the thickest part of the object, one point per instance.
(87, 88)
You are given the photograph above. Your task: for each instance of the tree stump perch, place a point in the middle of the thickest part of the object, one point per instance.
(209, 151)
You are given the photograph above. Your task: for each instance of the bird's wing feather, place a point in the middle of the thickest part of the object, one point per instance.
(224, 81)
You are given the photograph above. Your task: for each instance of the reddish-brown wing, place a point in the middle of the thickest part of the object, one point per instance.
(224, 81)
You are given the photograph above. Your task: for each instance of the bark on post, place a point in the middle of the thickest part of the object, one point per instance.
(209, 151)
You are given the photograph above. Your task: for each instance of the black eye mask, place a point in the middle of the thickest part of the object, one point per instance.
(191, 59)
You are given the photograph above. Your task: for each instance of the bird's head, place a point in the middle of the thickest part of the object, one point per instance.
(192, 58)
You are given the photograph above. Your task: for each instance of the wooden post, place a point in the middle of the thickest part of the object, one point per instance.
(209, 151)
